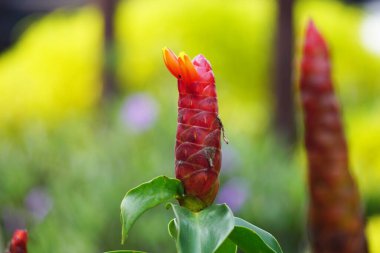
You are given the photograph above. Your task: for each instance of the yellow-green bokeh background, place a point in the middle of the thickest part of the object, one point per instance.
(52, 134)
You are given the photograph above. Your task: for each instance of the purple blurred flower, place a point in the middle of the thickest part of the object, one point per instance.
(234, 193)
(230, 158)
(13, 219)
(139, 112)
(38, 203)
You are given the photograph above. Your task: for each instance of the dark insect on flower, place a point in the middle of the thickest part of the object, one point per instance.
(19, 242)
(335, 215)
(197, 152)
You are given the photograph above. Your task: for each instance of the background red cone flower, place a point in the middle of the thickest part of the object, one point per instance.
(197, 152)
(19, 242)
(335, 214)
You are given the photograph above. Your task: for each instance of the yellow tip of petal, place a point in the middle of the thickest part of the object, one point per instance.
(182, 55)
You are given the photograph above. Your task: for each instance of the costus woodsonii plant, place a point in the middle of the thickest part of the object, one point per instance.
(197, 150)
(335, 213)
(199, 225)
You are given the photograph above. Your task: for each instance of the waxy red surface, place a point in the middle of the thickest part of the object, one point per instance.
(197, 151)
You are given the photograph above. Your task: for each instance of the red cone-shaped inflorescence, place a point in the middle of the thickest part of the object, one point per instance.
(335, 214)
(19, 242)
(197, 151)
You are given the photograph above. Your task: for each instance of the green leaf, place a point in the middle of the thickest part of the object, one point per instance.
(146, 196)
(252, 239)
(227, 247)
(125, 251)
(201, 232)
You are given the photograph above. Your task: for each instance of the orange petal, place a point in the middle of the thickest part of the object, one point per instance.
(190, 68)
(171, 61)
(182, 67)
(187, 68)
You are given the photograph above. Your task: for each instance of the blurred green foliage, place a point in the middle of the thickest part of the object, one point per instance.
(54, 136)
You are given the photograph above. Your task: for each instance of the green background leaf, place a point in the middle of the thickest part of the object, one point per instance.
(146, 196)
(201, 232)
(227, 247)
(252, 239)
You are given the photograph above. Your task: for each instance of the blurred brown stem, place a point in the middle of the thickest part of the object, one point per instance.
(284, 120)
(108, 8)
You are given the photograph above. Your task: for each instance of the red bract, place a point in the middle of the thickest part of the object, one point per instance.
(197, 152)
(19, 242)
(335, 215)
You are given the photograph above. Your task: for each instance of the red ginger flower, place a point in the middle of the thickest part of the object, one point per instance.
(19, 242)
(335, 215)
(197, 152)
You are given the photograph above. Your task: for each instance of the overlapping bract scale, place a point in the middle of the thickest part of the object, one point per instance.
(197, 152)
